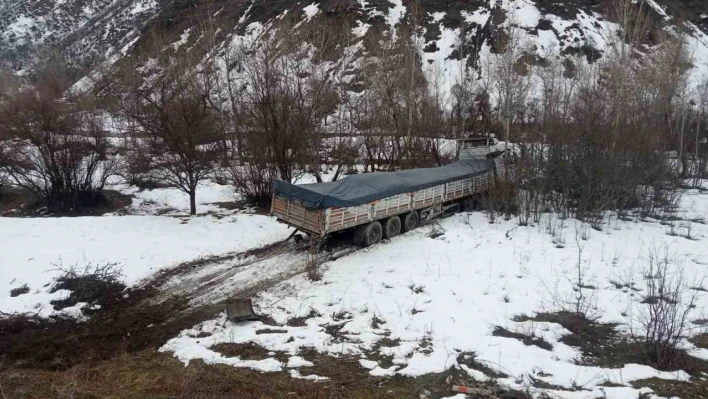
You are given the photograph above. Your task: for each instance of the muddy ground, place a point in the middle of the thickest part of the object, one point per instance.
(114, 354)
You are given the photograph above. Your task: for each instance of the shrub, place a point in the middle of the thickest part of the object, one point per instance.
(94, 284)
(56, 149)
(664, 318)
(254, 182)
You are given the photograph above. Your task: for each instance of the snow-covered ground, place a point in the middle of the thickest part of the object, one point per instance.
(439, 297)
(433, 299)
(142, 242)
(173, 201)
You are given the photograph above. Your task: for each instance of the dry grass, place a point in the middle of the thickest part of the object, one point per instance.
(15, 201)
(245, 351)
(150, 374)
(700, 340)
(694, 389)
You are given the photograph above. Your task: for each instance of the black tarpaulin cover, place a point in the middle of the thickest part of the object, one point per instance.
(363, 188)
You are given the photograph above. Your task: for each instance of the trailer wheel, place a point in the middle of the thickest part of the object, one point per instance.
(392, 227)
(410, 221)
(469, 204)
(368, 234)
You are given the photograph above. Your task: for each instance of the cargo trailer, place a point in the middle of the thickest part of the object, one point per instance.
(383, 204)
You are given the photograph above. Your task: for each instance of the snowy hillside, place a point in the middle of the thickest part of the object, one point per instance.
(103, 28)
(80, 30)
(141, 199)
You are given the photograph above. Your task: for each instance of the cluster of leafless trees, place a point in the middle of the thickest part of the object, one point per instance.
(291, 102)
(300, 97)
(52, 143)
(623, 132)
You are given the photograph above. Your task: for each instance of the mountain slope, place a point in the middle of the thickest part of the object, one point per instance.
(81, 30)
(85, 30)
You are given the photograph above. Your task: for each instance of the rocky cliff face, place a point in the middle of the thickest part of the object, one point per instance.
(89, 30)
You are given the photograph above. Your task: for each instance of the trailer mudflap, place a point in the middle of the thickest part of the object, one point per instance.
(240, 310)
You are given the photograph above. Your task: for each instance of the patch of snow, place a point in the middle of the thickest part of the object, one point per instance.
(75, 311)
(142, 6)
(547, 41)
(182, 39)
(173, 200)
(438, 16)
(311, 10)
(21, 27)
(360, 29)
(523, 13)
(246, 13)
(297, 361)
(475, 277)
(659, 9)
(395, 13)
(479, 16)
(141, 244)
(697, 43)
(211, 357)
(312, 377)
(368, 364)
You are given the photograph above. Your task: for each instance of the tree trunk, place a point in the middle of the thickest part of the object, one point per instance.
(193, 202)
(684, 165)
(697, 161)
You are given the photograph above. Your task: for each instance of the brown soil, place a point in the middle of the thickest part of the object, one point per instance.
(149, 374)
(528, 340)
(602, 346)
(700, 340)
(13, 201)
(246, 351)
(60, 343)
(18, 202)
(595, 340)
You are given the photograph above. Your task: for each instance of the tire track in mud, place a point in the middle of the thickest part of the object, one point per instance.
(211, 282)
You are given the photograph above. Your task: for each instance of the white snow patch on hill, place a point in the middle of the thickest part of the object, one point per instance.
(311, 10)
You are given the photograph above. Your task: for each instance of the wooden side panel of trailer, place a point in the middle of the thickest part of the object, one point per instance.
(428, 197)
(325, 221)
(458, 189)
(389, 206)
(342, 218)
(480, 183)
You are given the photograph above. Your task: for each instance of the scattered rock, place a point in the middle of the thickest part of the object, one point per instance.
(270, 331)
(19, 291)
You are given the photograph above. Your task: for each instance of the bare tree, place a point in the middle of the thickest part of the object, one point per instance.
(510, 74)
(168, 100)
(287, 94)
(55, 146)
(633, 30)
(403, 112)
(700, 136)
(283, 90)
(467, 85)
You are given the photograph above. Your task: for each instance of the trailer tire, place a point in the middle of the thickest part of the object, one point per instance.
(410, 221)
(368, 234)
(392, 227)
